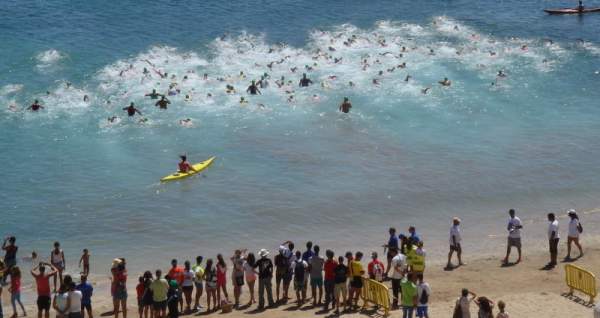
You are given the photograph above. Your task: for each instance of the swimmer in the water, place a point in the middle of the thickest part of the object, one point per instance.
(345, 106)
(242, 75)
(185, 122)
(184, 166)
(229, 89)
(425, 90)
(86, 99)
(351, 84)
(280, 82)
(291, 99)
(376, 82)
(243, 100)
(112, 119)
(408, 77)
(403, 65)
(35, 106)
(253, 89)
(263, 83)
(304, 81)
(188, 97)
(131, 110)
(162, 103)
(154, 94)
(501, 74)
(445, 82)
(315, 98)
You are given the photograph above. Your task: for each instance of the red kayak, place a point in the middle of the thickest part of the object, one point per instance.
(571, 10)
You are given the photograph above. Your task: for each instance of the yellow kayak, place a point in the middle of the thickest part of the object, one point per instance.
(198, 167)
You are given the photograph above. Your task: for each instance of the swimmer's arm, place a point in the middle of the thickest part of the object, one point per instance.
(258, 90)
(139, 112)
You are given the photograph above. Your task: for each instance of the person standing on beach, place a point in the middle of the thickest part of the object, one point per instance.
(486, 307)
(455, 245)
(423, 295)
(356, 272)
(315, 265)
(210, 276)
(15, 290)
(329, 268)
(341, 288)
(10, 254)
(418, 262)
(237, 275)
(221, 279)
(198, 281)
(300, 272)
(398, 266)
(375, 268)
(392, 249)
(306, 257)
(176, 273)
(575, 229)
(87, 291)
(159, 288)
(250, 275)
(265, 275)
(42, 281)
(119, 287)
(409, 295)
(57, 258)
(281, 269)
(553, 238)
(463, 304)
(188, 285)
(85, 261)
(514, 235)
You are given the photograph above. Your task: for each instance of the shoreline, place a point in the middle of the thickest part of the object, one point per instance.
(528, 290)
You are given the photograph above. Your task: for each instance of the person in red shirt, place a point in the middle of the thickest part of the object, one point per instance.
(176, 273)
(42, 280)
(184, 166)
(329, 268)
(139, 290)
(376, 268)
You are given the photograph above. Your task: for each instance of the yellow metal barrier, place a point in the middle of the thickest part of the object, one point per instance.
(582, 280)
(376, 293)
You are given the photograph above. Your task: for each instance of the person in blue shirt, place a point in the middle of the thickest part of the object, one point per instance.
(414, 237)
(86, 290)
(392, 249)
(306, 257)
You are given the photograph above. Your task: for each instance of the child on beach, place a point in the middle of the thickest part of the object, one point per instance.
(423, 294)
(15, 290)
(502, 313)
(139, 291)
(85, 261)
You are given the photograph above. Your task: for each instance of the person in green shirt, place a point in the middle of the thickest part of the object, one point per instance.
(159, 288)
(409, 295)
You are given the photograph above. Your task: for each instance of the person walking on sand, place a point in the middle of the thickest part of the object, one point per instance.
(575, 229)
(398, 266)
(57, 258)
(42, 282)
(315, 265)
(553, 238)
(455, 243)
(265, 275)
(392, 249)
(514, 235)
(250, 275)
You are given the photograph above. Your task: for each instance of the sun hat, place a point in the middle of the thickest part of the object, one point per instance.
(571, 212)
(263, 252)
(116, 262)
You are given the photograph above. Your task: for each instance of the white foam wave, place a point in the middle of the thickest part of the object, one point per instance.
(49, 57)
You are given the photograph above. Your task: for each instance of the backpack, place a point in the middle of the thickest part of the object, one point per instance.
(378, 272)
(299, 271)
(424, 297)
(579, 228)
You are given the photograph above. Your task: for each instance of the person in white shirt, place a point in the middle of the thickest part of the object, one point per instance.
(553, 238)
(455, 240)
(398, 266)
(463, 304)
(514, 235)
(575, 229)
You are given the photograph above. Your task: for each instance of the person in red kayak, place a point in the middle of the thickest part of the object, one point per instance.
(184, 166)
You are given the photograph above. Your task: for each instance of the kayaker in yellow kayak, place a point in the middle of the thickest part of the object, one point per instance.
(184, 166)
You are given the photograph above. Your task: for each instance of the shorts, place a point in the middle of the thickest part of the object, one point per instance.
(279, 275)
(391, 253)
(239, 281)
(422, 311)
(340, 290)
(59, 266)
(120, 294)
(199, 286)
(298, 285)
(10, 262)
(316, 282)
(287, 277)
(86, 307)
(43, 303)
(187, 289)
(514, 241)
(160, 305)
(356, 282)
(74, 315)
(456, 248)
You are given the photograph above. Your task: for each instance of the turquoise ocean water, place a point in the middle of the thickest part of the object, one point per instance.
(294, 170)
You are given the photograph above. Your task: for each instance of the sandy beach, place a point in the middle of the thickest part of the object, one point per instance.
(527, 290)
